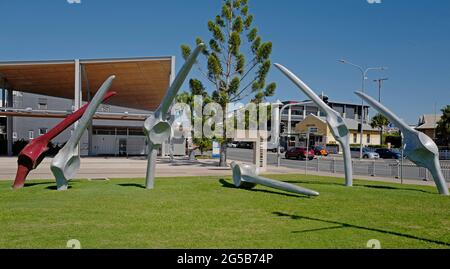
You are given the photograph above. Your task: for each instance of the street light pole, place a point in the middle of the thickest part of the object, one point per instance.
(364, 77)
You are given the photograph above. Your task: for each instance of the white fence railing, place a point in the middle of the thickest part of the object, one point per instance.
(444, 154)
(388, 169)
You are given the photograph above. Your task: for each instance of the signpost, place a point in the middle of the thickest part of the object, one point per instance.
(215, 150)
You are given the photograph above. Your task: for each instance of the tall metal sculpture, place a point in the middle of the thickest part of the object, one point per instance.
(418, 147)
(246, 176)
(66, 163)
(334, 120)
(34, 152)
(157, 127)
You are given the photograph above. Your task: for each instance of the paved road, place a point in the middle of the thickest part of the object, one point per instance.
(335, 164)
(245, 155)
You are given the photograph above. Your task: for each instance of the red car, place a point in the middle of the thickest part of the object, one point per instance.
(300, 154)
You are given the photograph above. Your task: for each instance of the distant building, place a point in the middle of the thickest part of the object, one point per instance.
(107, 137)
(298, 113)
(428, 124)
(320, 134)
(293, 117)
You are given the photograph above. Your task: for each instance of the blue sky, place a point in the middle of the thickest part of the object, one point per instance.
(411, 37)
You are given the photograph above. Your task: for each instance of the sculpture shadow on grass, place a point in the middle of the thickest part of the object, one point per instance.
(342, 225)
(135, 185)
(392, 188)
(37, 184)
(55, 188)
(229, 185)
(360, 185)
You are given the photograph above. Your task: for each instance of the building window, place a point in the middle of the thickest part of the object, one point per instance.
(368, 138)
(136, 132)
(30, 135)
(42, 104)
(355, 138)
(17, 100)
(43, 131)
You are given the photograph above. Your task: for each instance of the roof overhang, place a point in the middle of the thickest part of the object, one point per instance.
(140, 83)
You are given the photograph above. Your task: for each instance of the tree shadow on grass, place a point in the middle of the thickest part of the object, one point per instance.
(227, 184)
(135, 185)
(358, 185)
(341, 225)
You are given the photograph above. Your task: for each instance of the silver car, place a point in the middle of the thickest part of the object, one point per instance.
(367, 153)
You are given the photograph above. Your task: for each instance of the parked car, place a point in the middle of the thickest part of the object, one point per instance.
(389, 154)
(232, 145)
(321, 151)
(300, 154)
(367, 153)
(273, 148)
(245, 145)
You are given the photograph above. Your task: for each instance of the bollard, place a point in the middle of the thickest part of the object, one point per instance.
(246, 176)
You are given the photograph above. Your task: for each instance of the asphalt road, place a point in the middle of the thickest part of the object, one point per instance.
(245, 155)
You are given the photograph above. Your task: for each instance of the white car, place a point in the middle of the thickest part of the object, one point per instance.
(367, 153)
(232, 145)
(273, 148)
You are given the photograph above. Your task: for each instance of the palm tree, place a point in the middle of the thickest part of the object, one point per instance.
(380, 121)
(443, 128)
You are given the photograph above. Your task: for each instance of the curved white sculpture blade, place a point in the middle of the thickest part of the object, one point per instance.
(246, 176)
(157, 126)
(418, 147)
(334, 120)
(66, 163)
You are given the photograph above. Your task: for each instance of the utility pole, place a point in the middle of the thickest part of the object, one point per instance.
(380, 82)
(380, 85)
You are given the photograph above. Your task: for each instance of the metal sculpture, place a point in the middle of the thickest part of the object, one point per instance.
(334, 120)
(34, 152)
(246, 176)
(66, 163)
(418, 147)
(157, 127)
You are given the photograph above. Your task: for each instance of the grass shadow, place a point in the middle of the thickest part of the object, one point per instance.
(54, 188)
(312, 182)
(391, 188)
(227, 184)
(357, 185)
(135, 185)
(347, 225)
(36, 184)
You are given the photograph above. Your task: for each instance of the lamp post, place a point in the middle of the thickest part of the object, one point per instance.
(364, 77)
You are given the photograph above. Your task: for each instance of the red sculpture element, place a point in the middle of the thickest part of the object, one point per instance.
(33, 153)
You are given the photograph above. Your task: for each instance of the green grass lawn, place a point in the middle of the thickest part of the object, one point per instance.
(207, 212)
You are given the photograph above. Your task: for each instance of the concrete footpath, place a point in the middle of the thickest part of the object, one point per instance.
(108, 167)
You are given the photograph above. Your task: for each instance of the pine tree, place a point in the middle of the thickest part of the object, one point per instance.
(236, 59)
